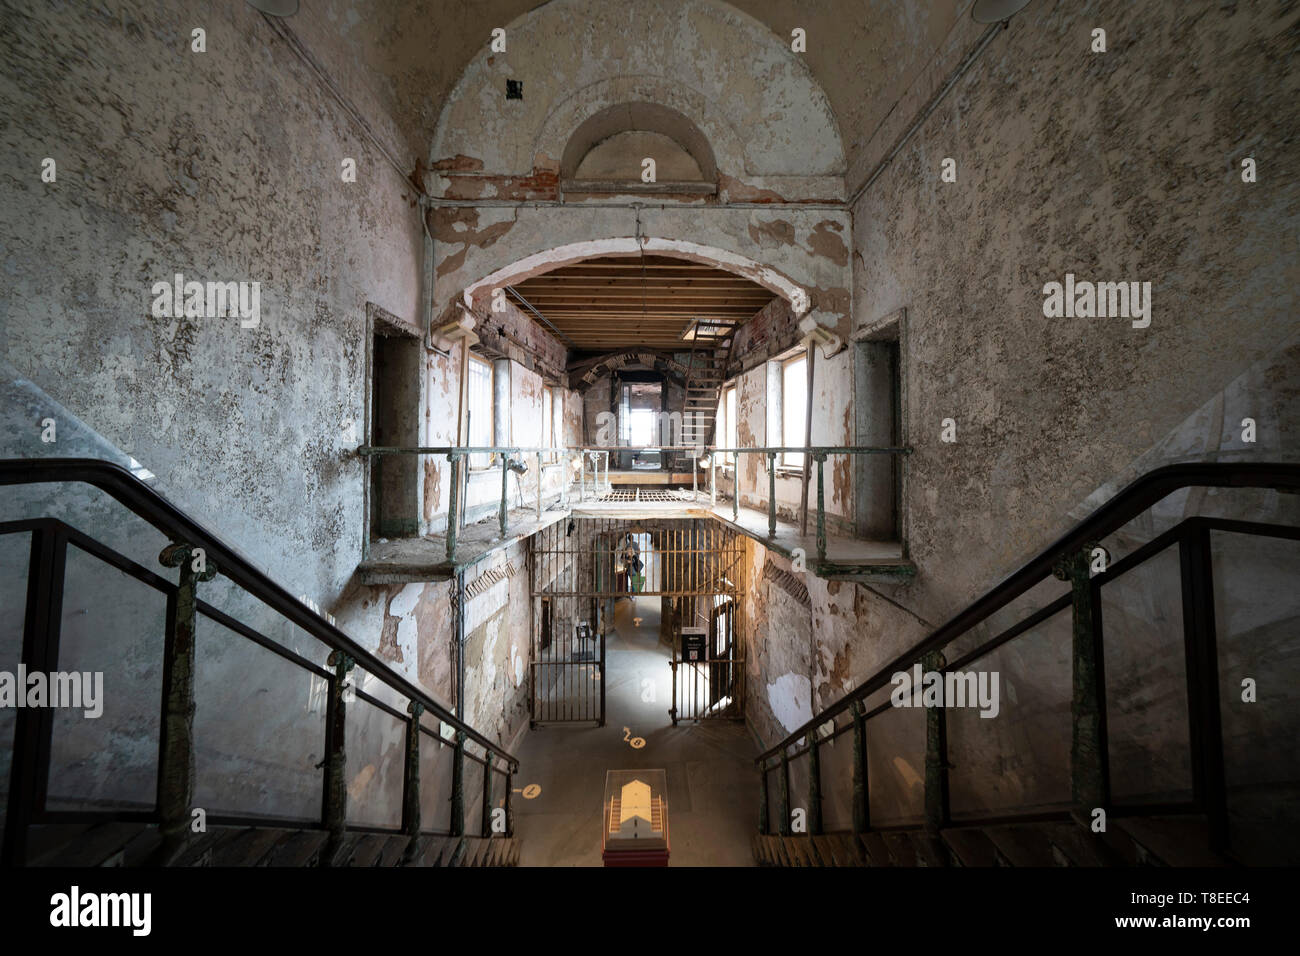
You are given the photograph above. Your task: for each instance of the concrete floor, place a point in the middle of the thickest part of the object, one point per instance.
(712, 786)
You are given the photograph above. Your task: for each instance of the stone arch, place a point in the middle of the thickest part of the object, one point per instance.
(719, 67)
(541, 262)
(637, 116)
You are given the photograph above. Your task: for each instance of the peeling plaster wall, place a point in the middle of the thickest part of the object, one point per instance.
(1116, 166)
(223, 165)
(1141, 182)
(220, 166)
(498, 628)
(766, 120)
(735, 239)
(832, 425)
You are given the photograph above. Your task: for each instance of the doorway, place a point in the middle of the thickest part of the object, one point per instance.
(588, 571)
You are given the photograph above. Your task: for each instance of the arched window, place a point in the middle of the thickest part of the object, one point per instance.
(606, 153)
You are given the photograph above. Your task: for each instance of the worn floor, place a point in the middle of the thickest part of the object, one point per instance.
(712, 787)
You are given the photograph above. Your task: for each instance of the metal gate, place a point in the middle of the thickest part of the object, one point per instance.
(708, 677)
(579, 567)
(567, 663)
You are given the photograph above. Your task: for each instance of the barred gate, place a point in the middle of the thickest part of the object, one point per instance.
(708, 682)
(581, 565)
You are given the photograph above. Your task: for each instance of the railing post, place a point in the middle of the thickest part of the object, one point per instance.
(771, 494)
(695, 481)
(411, 778)
(814, 784)
(582, 476)
(713, 479)
(176, 738)
(820, 458)
(1205, 728)
(505, 483)
(735, 488)
(1089, 764)
(458, 786)
(784, 828)
(453, 504)
(510, 782)
(335, 808)
(763, 825)
(33, 726)
(485, 822)
(936, 754)
(672, 709)
(861, 793)
(539, 487)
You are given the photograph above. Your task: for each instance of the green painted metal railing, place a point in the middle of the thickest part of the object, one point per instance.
(597, 454)
(1072, 559)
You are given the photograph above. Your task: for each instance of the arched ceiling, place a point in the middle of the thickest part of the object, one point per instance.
(408, 56)
(651, 302)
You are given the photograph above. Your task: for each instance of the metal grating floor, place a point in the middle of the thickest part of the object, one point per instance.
(647, 494)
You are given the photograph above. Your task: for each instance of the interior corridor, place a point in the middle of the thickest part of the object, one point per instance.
(712, 799)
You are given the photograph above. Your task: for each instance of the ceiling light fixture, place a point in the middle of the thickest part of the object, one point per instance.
(275, 8)
(995, 11)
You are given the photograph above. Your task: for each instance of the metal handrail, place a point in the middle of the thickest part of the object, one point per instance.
(148, 504)
(456, 453)
(1070, 558)
(1122, 508)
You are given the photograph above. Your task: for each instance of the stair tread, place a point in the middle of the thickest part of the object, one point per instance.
(877, 853)
(900, 848)
(971, 846)
(1022, 844)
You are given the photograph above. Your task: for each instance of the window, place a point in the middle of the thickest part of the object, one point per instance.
(639, 414)
(557, 422)
(794, 409)
(548, 423)
(642, 428)
(729, 422)
(480, 410)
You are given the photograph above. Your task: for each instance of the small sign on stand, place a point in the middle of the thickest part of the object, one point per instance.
(695, 644)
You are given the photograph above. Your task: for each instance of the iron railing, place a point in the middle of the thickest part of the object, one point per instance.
(1071, 559)
(33, 737)
(599, 454)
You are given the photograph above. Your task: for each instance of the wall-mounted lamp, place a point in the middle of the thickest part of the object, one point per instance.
(995, 11)
(828, 340)
(442, 338)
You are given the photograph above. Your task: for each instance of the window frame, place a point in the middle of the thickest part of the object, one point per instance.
(548, 422)
(785, 461)
(730, 426)
(479, 461)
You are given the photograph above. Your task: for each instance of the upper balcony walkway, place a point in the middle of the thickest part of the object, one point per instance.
(425, 558)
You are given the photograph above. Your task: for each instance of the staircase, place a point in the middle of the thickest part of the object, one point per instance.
(80, 824)
(1178, 840)
(1213, 819)
(706, 373)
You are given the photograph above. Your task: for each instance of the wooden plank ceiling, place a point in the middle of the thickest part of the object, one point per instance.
(616, 302)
